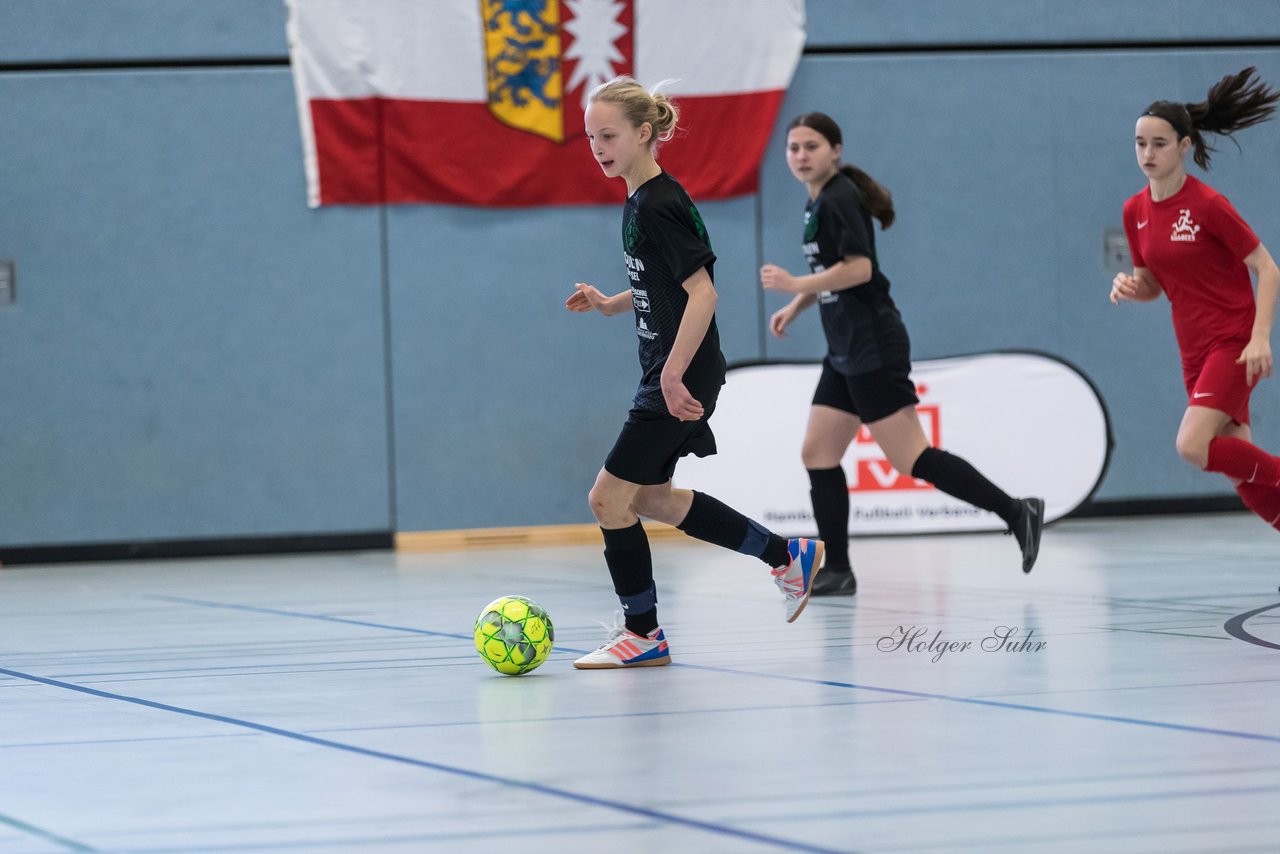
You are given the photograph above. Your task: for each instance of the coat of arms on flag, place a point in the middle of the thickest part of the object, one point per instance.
(522, 65)
(480, 101)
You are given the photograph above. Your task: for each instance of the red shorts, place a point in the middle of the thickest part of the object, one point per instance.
(1219, 383)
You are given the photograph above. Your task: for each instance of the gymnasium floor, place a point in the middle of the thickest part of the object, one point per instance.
(335, 703)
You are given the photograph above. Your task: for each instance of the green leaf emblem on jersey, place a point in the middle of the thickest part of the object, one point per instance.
(810, 225)
(697, 223)
(631, 236)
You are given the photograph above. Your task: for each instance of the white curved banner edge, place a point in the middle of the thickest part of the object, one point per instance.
(1032, 423)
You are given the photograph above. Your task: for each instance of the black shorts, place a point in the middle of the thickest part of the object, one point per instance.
(651, 443)
(870, 396)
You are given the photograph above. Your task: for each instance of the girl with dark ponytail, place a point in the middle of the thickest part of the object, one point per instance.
(865, 375)
(1188, 243)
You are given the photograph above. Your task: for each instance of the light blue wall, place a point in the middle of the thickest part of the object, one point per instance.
(932, 23)
(78, 30)
(195, 354)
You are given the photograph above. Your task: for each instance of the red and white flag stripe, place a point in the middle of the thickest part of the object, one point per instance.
(480, 101)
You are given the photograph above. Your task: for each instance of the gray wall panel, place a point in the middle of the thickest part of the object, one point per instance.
(872, 23)
(97, 30)
(193, 353)
(505, 402)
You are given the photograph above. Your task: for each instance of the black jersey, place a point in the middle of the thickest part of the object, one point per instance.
(664, 243)
(863, 326)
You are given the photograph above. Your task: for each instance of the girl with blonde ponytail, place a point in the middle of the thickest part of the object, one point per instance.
(672, 298)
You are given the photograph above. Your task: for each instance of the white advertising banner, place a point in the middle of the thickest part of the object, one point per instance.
(1032, 424)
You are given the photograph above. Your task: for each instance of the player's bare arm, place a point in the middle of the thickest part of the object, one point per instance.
(1256, 356)
(693, 328)
(589, 298)
(854, 270)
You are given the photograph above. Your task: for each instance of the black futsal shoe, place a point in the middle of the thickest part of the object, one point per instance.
(1027, 530)
(835, 581)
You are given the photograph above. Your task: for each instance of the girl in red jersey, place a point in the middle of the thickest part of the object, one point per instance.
(1188, 243)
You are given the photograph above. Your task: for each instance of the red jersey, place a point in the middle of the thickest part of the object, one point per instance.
(1195, 243)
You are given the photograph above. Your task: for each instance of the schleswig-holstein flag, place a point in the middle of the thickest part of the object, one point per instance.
(480, 102)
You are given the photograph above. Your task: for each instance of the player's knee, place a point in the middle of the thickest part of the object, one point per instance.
(1193, 450)
(602, 506)
(815, 455)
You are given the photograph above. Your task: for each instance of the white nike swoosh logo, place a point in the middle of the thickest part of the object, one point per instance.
(1143, 224)
(1200, 394)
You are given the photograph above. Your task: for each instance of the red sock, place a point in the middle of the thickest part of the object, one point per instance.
(1263, 500)
(1241, 460)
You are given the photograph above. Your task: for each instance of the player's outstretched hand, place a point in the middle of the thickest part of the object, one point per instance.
(586, 298)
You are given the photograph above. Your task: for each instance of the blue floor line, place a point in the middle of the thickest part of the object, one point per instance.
(1039, 803)
(526, 837)
(998, 704)
(538, 788)
(32, 830)
(253, 609)
(920, 695)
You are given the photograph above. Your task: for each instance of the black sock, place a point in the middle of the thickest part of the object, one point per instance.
(830, 495)
(713, 521)
(626, 553)
(957, 478)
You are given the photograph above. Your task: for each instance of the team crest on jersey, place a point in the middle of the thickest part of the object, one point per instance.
(1184, 230)
(810, 225)
(538, 53)
(631, 234)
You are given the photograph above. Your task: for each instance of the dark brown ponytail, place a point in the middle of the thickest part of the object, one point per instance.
(1235, 102)
(876, 198)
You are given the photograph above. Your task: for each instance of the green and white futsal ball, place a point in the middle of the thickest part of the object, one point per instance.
(514, 635)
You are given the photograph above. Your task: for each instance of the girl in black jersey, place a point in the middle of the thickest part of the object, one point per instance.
(865, 375)
(669, 264)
